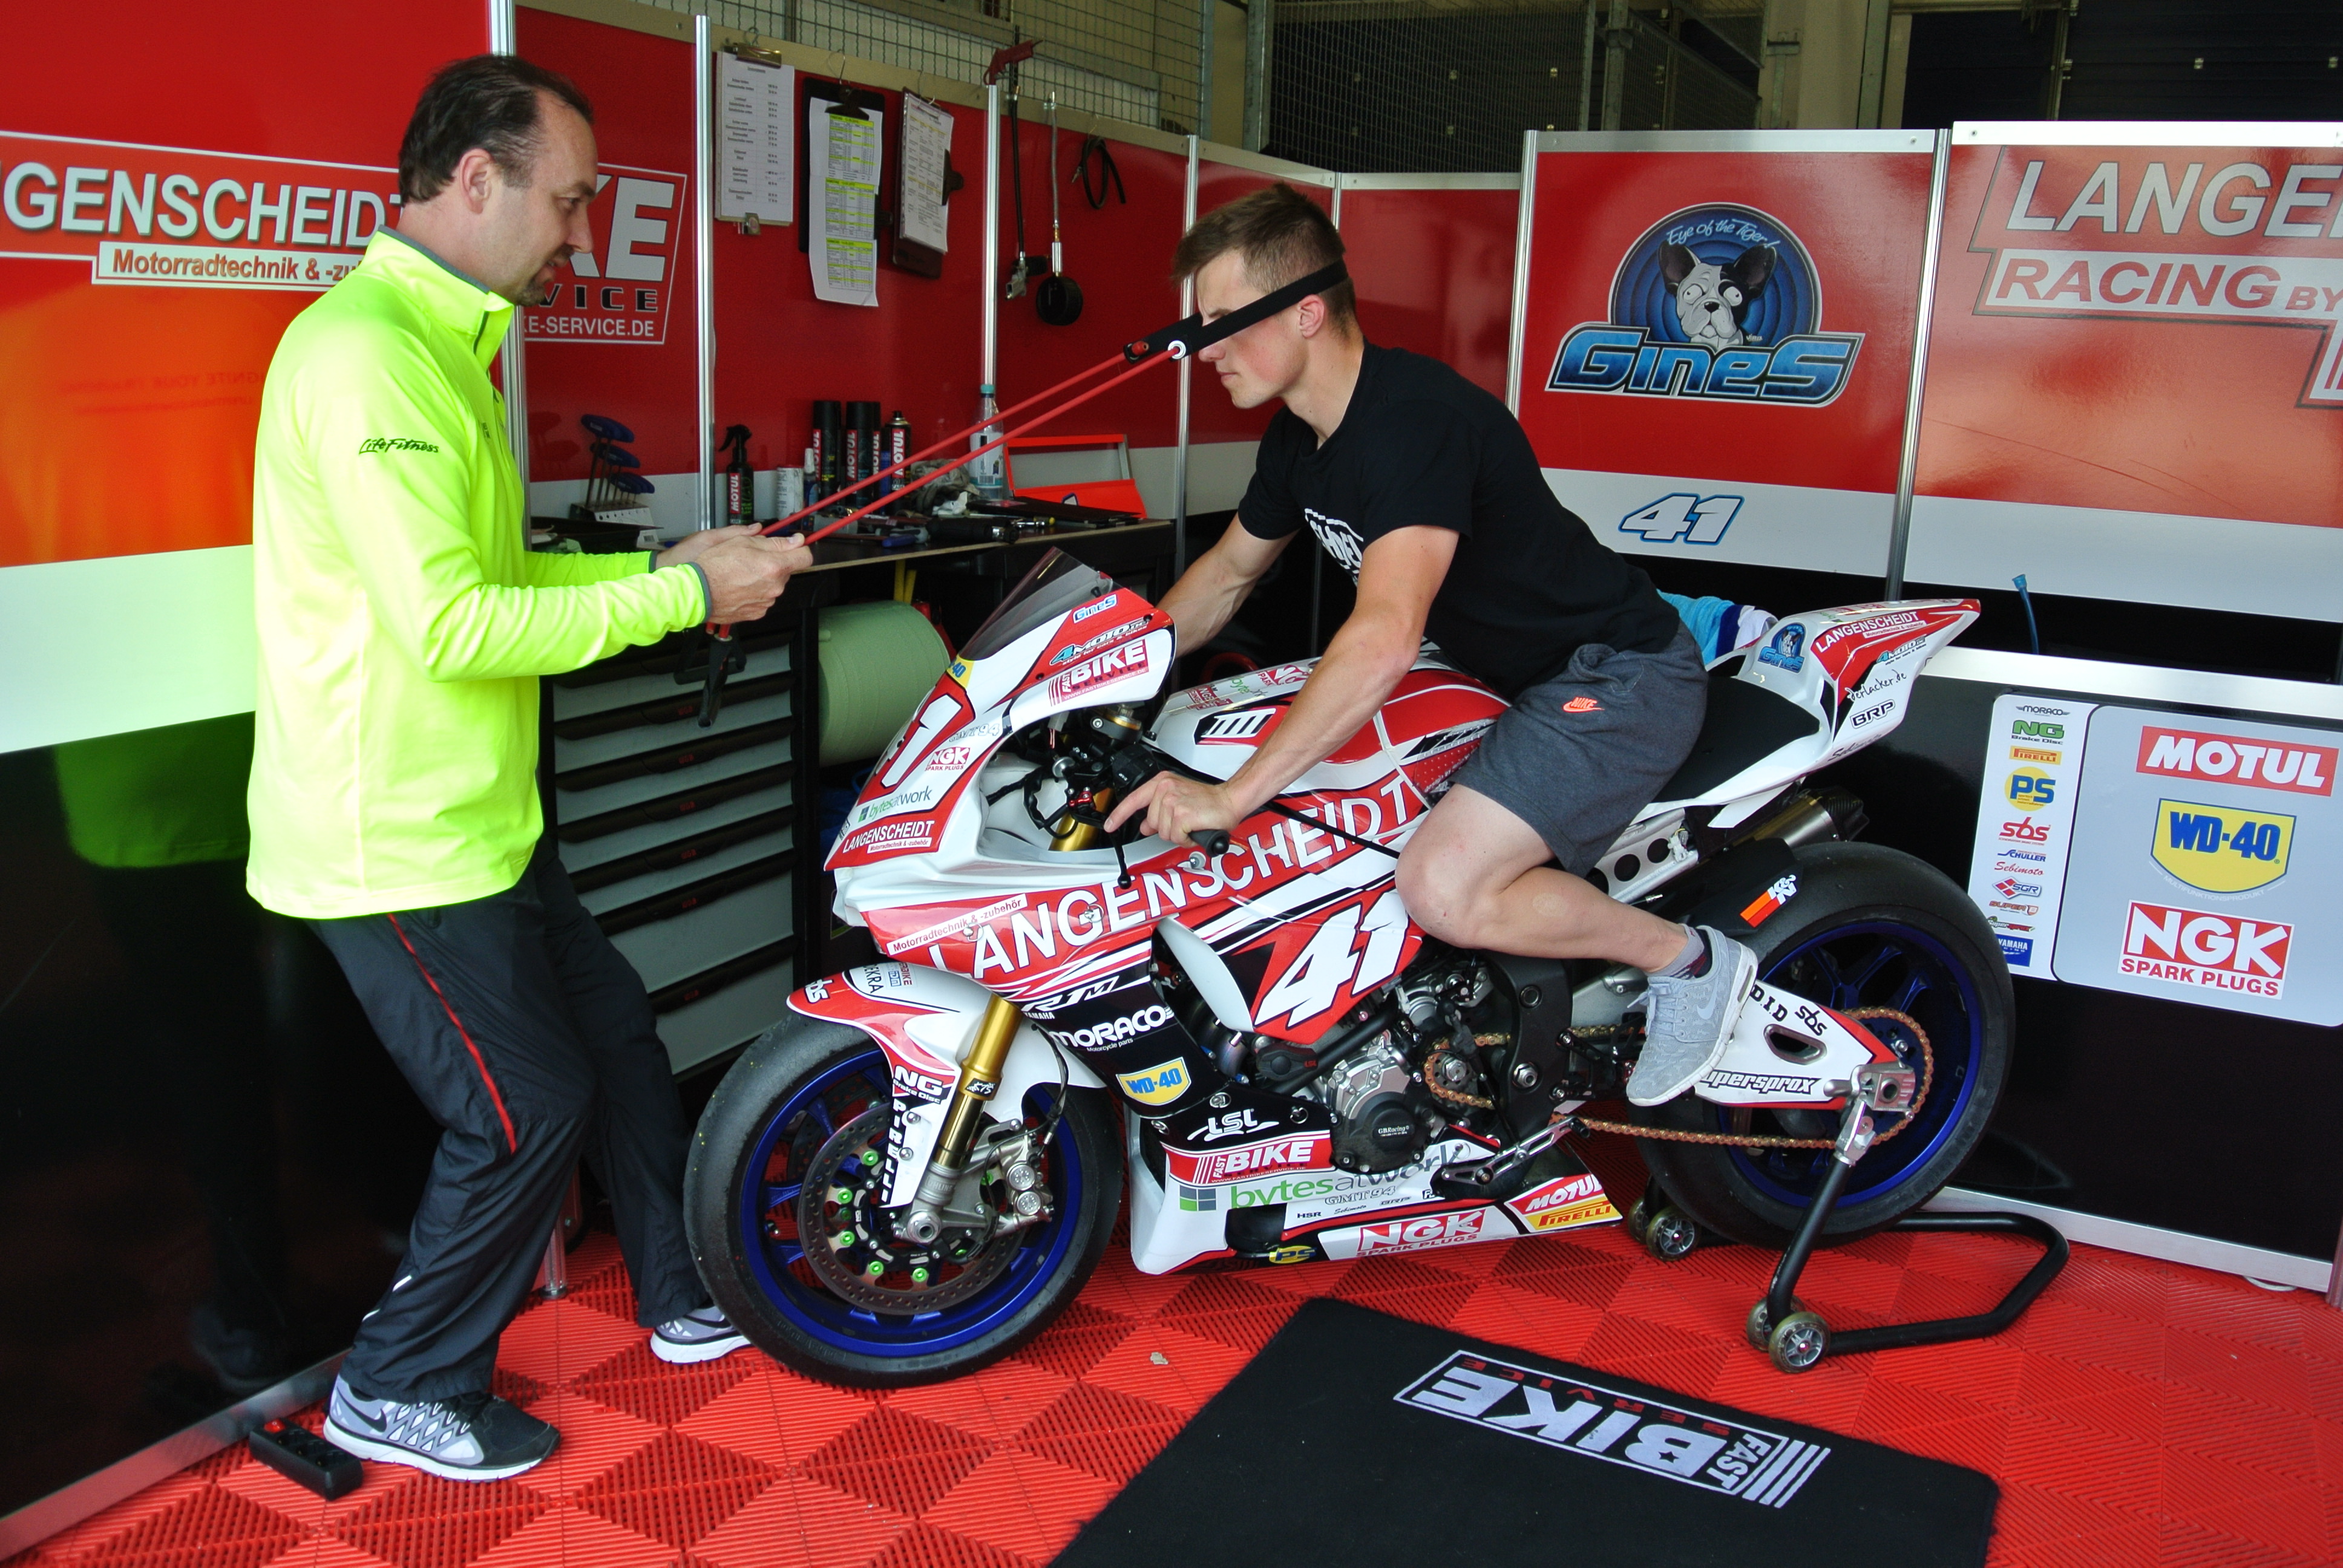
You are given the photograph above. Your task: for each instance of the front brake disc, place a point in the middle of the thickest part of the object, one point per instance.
(855, 1252)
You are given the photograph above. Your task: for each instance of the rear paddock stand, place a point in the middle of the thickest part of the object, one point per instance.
(1792, 1334)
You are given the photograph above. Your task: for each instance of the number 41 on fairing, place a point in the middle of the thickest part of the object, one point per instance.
(1695, 520)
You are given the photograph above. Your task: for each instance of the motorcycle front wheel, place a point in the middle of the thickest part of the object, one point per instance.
(1870, 927)
(779, 1120)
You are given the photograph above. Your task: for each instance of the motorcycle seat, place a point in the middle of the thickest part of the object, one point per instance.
(1744, 724)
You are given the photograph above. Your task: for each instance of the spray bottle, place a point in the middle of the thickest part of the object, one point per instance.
(740, 480)
(898, 447)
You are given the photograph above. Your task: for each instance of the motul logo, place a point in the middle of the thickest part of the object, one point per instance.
(2222, 952)
(1306, 1151)
(2235, 760)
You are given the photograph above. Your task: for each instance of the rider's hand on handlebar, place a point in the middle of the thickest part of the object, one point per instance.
(1177, 808)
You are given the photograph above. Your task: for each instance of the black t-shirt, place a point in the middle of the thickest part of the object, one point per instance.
(1422, 446)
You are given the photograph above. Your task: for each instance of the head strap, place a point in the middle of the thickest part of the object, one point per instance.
(1184, 337)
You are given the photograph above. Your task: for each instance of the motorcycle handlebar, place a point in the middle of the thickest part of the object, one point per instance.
(1214, 841)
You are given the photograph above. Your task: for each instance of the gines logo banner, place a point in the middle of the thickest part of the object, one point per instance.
(1713, 301)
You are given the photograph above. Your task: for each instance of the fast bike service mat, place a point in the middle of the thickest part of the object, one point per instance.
(1374, 1442)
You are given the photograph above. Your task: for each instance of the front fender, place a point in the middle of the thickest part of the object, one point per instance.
(924, 1019)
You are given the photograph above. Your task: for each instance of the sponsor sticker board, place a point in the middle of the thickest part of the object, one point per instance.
(2207, 864)
(2134, 376)
(2025, 823)
(1716, 346)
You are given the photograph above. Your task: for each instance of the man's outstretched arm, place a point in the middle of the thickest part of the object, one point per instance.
(1397, 579)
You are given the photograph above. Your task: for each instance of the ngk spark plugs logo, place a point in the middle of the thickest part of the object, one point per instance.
(184, 218)
(2211, 235)
(1718, 301)
(619, 290)
(2217, 952)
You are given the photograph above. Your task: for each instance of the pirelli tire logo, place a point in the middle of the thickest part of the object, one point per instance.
(1688, 1446)
(394, 444)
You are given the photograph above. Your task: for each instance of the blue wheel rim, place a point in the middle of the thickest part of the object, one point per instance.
(774, 1175)
(1873, 964)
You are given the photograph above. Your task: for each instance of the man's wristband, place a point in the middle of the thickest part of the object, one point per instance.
(707, 589)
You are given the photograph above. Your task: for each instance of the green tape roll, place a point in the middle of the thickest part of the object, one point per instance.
(878, 660)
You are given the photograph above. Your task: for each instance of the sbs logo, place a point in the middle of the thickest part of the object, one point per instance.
(1098, 1037)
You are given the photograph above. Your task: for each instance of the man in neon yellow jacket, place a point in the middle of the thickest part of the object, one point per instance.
(403, 627)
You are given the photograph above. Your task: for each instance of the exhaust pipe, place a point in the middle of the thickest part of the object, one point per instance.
(1812, 816)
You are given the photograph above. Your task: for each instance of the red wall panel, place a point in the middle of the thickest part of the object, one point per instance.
(129, 405)
(1434, 273)
(778, 347)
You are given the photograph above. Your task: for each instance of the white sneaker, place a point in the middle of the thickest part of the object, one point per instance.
(704, 1335)
(1690, 1021)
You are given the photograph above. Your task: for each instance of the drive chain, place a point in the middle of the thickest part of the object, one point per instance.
(1759, 1140)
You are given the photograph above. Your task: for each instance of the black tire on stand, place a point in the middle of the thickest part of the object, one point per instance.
(1870, 927)
(780, 1103)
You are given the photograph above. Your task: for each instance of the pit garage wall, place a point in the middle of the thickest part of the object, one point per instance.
(2069, 430)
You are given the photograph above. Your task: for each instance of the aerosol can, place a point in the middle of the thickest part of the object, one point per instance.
(988, 473)
(898, 447)
(740, 480)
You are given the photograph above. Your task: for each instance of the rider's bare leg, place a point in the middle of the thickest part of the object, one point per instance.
(1475, 876)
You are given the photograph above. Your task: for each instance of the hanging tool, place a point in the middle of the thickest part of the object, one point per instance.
(1015, 289)
(1162, 346)
(1059, 299)
(1096, 148)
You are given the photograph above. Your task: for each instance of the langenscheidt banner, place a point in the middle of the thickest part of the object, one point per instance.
(1716, 337)
(2135, 379)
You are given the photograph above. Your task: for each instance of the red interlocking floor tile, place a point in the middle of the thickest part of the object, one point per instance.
(2141, 1413)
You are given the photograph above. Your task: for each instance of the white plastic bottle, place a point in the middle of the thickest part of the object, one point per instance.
(988, 473)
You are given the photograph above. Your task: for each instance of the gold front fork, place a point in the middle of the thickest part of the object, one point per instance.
(980, 1079)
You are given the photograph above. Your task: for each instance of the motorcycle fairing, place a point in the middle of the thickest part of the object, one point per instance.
(923, 1019)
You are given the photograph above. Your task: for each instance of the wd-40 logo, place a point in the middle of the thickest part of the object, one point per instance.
(1158, 1085)
(2221, 849)
(1714, 301)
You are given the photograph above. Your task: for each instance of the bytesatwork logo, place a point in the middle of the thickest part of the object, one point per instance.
(1714, 301)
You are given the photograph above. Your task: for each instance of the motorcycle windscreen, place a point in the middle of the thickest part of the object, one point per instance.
(1057, 583)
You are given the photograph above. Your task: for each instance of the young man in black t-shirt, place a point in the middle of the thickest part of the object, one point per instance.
(1421, 486)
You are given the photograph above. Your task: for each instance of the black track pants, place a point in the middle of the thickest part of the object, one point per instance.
(532, 1042)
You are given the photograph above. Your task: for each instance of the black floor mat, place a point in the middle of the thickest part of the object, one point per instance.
(1370, 1442)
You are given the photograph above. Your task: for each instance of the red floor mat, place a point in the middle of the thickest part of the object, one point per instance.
(2141, 1413)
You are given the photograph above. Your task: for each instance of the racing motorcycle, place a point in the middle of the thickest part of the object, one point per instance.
(916, 1171)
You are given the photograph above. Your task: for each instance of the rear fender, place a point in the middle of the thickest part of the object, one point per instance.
(924, 1019)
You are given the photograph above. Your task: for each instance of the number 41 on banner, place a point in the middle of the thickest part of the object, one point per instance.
(1695, 519)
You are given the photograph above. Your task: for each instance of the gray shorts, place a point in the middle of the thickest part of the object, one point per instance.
(1578, 756)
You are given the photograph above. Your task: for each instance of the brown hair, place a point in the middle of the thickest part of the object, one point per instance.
(1282, 236)
(489, 101)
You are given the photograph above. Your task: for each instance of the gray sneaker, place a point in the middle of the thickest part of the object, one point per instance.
(697, 1336)
(1689, 1021)
(466, 1437)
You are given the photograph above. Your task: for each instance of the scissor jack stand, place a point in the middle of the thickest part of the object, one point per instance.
(1794, 1334)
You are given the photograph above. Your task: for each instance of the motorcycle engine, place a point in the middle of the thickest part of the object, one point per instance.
(1376, 1127)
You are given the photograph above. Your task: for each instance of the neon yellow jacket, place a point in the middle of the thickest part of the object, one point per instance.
(403, 619)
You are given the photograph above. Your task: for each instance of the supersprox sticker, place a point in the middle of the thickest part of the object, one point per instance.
(1766, 1468)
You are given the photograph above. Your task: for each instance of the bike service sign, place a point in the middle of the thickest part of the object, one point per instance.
(1715, 342)
(619, 292)
(2135, 377)
(2198, 858)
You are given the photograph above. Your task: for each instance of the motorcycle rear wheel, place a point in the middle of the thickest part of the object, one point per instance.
(789, 1093)
(1870, 927)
